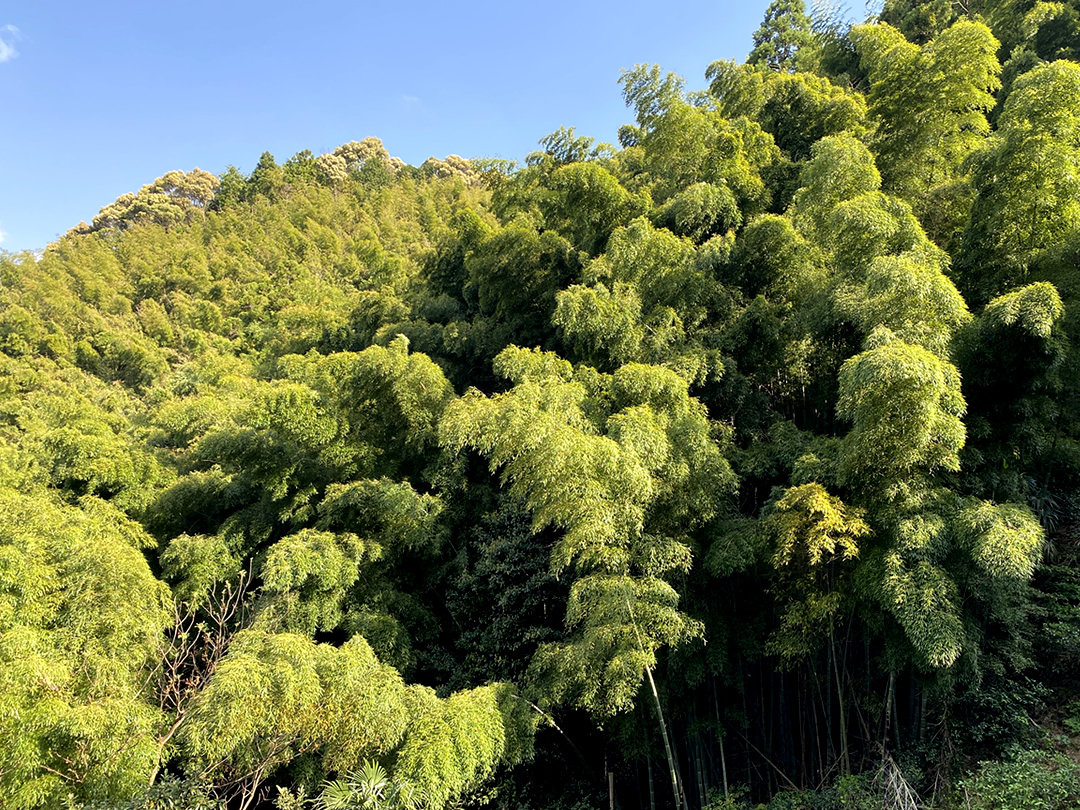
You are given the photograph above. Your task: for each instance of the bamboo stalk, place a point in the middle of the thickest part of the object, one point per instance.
(652, 788)
(720, 737)
(676, 786)
(845, 757)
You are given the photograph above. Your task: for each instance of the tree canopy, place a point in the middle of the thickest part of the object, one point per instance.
(737, 463)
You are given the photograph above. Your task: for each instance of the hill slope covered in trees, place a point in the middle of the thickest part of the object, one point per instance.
(736, 463)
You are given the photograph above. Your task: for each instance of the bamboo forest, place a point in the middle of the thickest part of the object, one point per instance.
(732, 465)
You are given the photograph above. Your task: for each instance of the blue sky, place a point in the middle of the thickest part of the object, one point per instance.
(101, 98)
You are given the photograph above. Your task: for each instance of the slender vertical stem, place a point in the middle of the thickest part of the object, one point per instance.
(703, 775)
(922, 715)
(888, 710)
(840, 703)
(652, 788)
(765, 735)
(720, 737)
(896, 722)
(680, 798)
(551, 720)
(162, 742)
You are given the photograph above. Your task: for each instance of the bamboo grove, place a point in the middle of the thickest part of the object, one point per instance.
(736, 463)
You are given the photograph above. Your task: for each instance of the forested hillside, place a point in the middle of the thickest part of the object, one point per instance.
(733, 464)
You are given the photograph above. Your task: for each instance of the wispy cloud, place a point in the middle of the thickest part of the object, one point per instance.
(9, 34)
(2, 236)
(409, 106)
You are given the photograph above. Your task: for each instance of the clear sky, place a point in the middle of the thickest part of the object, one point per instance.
(101, 98)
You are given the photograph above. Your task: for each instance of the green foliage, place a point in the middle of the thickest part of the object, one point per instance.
(650, 94)
(1035, 779)
(692, 144)
(918, 20)
(649, 293)
(813, 534)
(1014, 412)
(597, 476)
(172, 199)
(502, 597)
(905, 405)
(707, 409)
(925, 601)
(772, 258)
(563, 146)
(618, 484)
(810, 525)
(1024, 179)
(800, 109)
(911, 298)
(80, 619)
(455, 744)
(168, 793)
(1033, 309)
(930, 103)
(587, 204)
(859, 792)
(370, 787)
(602, 324)
(841, 169)
(275, 696)
(618, 624)
(515, 274)
(1006, 539)
(785, 30)
(700, 211)
(307, 575)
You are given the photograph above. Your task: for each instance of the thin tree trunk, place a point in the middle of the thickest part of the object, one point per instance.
(720, 737)
(824, 754)
(896, 721)
(652, 788)
(922, 715)
(680, 798)
(746, 714)
(702, 787)
(678, 773)
(804, 725)
(162, 742)
(840, 704)
(766, 738)
(888, 710)
(577, 751)
(774, 766)
(249, 794)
